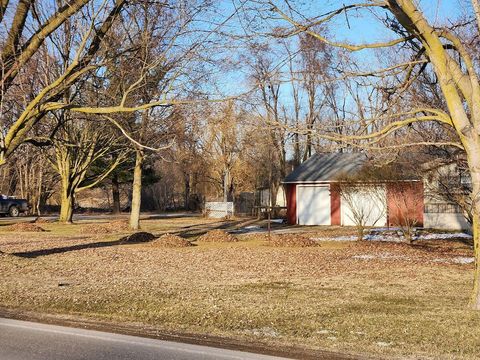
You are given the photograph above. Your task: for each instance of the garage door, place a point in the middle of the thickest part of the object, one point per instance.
(366, 203)
(313, 205)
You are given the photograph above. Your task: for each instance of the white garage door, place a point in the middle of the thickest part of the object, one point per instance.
(366, 203)
(313, 205)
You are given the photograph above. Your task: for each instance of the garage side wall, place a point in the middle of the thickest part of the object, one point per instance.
(405, 199)
(291, 190)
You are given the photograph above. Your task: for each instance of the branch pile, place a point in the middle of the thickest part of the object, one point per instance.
(171, 241)
(25, 227)
(138, 237)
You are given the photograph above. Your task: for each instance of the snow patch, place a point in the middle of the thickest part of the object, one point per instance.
(463, 260)
(394, 235)
(358, 332)
(338, 238)
(384, 344)
(265, 331)
(380, 237)
(364, 257)
(383, 256)
(456, 260)
(252, 227)
(444, 236)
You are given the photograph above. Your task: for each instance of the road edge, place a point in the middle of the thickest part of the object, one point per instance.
(146, 331)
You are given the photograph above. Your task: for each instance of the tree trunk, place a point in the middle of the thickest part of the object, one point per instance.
(226, 184)
(66, 209)
(115, 195)
(136, 191)
(187, 192)
(231, 192)
(474, 164)
(38, 196)
(475, 299)
(360, 232)
(42, 202)
(296, 149)
(471, 143)
(308, 148)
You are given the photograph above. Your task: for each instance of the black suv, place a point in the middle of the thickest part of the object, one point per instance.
(12, 206)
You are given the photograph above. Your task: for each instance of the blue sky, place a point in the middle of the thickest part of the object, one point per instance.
(365, 26)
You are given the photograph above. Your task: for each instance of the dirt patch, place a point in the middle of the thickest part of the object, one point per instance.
(217, 236)
(25, 227)
(289, 240)
(171, 241)
(111, 227)
(137, 237)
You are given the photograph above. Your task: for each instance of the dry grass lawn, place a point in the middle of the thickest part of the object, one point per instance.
(361, 298)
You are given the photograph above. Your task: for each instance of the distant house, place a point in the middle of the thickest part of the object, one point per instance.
(315, 196)
(447, 200)
(265, 197)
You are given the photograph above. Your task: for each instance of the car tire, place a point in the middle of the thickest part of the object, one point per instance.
(13, 211)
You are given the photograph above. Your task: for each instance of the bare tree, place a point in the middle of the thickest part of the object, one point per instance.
(224, 145)
(405, 204)
(366, 204)
(78, 147)
(170, 52)
(36, 181)
(266, 77)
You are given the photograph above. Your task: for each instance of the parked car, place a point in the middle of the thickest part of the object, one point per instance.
(11, 206)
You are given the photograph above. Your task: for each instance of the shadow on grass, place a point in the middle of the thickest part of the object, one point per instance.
(135, 238)
(172, 216)
(200, 229)
(64, 249)
(94, 245)
(443, 245)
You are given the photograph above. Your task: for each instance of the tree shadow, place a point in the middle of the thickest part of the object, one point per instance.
(171, 216)
(125, 240)
(444, 245)
(63, 249)
(185, 232)
(200, 229)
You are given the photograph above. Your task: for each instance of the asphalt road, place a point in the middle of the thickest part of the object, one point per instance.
(23, 340)
(106, 217)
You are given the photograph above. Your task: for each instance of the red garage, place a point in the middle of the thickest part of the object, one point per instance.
(316, 195)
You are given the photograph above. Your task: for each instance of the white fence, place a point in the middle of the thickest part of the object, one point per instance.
(219, 210)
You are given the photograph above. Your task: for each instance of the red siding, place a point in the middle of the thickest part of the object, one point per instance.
(405, 199)
(335, 204)
(291, 190)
